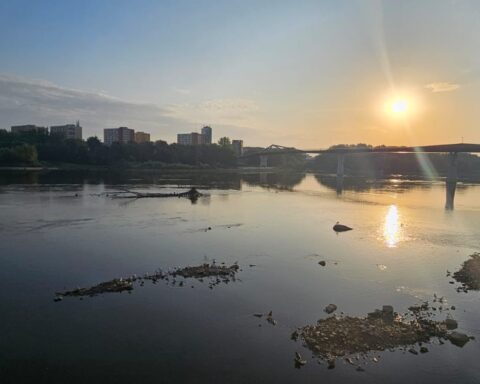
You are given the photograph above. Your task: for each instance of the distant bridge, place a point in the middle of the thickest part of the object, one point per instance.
(451, 149)
(275, 149)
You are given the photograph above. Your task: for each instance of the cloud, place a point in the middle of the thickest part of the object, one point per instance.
(230, 111)
(24, 101)
(442, 87)
(30, 101)
(182, 91)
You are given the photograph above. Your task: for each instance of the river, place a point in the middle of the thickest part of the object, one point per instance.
(60, 230)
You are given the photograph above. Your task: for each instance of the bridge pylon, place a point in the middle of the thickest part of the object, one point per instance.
(451, 181)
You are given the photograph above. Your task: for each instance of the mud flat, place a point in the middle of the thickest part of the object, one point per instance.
(469, 274)
(115, 285)
(353, 338)
(214, 273)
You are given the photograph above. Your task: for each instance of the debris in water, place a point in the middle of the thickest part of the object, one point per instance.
(322, 263)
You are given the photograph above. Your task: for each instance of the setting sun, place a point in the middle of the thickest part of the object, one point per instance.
(399, 106)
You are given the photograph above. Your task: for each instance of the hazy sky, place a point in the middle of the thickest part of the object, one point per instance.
(296, 73)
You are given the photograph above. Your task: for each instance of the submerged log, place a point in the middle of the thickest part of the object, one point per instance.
(191, 194)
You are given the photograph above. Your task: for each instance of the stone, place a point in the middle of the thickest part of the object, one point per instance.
(459, 339)
(330, 308)
(451, 324)
(322, 263)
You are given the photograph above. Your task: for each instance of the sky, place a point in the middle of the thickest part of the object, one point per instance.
(300, 73)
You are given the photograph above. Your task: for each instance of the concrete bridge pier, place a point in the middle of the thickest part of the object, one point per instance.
(451, 182)
(340, 172)
(263, 161)
(339, 185)
(340, 165)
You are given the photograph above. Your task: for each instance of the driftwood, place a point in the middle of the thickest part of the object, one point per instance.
(191, 194)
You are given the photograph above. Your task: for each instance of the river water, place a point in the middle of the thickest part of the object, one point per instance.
(59, 230)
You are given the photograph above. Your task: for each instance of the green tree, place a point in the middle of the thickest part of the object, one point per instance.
(224, 141)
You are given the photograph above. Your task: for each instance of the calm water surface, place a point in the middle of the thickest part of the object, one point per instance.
(278, 227)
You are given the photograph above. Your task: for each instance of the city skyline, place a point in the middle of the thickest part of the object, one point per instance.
(314, 73)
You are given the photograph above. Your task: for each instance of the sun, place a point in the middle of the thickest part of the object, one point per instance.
(399, 106)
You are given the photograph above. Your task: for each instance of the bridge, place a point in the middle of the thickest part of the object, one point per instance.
(341, 152)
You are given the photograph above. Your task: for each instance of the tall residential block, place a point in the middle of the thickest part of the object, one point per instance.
(142, 137)
(193, 138)
(28, 128)
(207, 135)
(196, 138)
(69, 131)
(121, 135)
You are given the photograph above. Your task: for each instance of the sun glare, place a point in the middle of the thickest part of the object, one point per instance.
(399, 107)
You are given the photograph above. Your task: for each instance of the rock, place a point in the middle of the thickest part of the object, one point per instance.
(451, 324)
(58, 298)
(458, 339)
(331, 363)
(341, 228)
(330, 308)
(360, 369)
(423, 350)
(413, 351)
(298, 360)
(258, 314)
(294, 335)
(322, 263)
(270, 318)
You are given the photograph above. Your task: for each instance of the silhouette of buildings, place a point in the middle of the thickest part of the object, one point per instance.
(28, 128)
(196, 138)
(69, 131)
(142, 137)
(121, 135)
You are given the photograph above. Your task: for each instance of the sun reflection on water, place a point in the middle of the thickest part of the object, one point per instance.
(392, 228)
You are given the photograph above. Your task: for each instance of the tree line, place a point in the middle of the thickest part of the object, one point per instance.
(32, 148)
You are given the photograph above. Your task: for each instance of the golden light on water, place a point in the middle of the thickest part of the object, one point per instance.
(391, 228)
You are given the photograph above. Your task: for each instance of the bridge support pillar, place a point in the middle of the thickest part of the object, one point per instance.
(340, 165)
(263, 161)
(339, 185)
(451, 182)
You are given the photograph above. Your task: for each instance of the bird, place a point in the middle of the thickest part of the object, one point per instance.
(341, 228)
